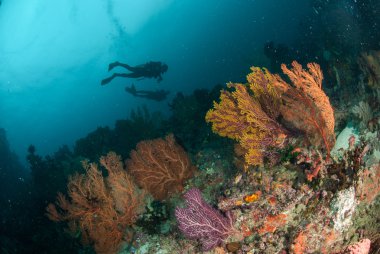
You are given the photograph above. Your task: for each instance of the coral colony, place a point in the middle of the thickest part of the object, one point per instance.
(295, 187)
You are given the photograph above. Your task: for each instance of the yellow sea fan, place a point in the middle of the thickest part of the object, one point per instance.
(252, 142)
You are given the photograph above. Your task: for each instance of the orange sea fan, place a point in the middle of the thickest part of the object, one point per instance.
(160, 166)
(305, 105)
(101, 207)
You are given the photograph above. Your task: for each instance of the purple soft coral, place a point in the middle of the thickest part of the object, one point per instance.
(201, 221)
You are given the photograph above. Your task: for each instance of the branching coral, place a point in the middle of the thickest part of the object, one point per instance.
(241, 115)
(102, 208)
(160, 166)
(200, 221)
(265, 86)
(307, 107)
(250, 113)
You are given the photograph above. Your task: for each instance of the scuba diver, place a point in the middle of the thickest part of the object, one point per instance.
(147, 70)
(158, 95)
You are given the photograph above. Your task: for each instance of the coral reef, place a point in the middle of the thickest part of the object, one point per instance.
(289, 188)
(267, 177)
(309, 202)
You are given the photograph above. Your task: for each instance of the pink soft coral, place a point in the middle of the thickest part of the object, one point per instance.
(361, 247)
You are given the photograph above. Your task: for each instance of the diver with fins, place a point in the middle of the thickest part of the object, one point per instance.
(158, 95)
(148, 70)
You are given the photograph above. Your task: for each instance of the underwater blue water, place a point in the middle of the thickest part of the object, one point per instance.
(211, 126)
(53, 55)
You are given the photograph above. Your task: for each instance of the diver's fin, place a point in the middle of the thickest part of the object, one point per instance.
(106, 81)
(132, 90)
(113, 65)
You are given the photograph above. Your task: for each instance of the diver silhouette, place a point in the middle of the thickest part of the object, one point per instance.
(158, 95)
(147, 70)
